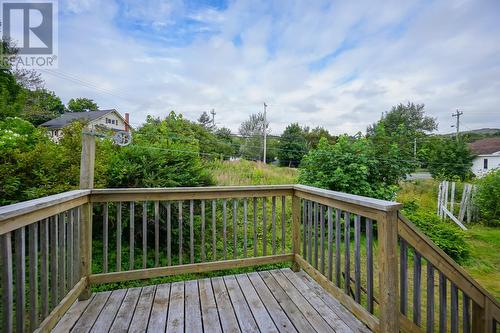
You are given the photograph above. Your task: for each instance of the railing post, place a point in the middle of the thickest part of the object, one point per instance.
(86, 182)
(482, 321)
(388, 265)
(295, 231)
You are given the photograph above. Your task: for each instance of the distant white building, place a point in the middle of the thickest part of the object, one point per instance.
(110, 119)
(487, 153)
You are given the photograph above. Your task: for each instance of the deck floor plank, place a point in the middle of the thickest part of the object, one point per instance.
(71, 317)
(309, 312)
(275, 311)
(211, 320)
(227, 316)
(140, 319)
(259, 311)
(108, 313)
(241, 308)
(193, 311)
(89, 316)
(323, 309)
(334, 304)
(126, 311)
(294, 314)
(267, 301)
(175, 318)
(159, 310)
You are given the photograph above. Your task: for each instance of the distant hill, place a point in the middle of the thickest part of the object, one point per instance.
(481, 131)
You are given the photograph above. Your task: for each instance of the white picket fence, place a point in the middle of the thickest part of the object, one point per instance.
(448, 204)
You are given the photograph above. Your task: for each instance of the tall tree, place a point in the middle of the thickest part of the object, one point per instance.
(292, 146)
(82, 105)
(252, 130)
(448, 158)
(313, 136)
(206, 121)
(41, 106)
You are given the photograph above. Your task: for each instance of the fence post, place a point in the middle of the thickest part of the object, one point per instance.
(388, 261)
(86, 182)
(295, 231)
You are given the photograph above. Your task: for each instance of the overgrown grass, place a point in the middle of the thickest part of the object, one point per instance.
(243, 172)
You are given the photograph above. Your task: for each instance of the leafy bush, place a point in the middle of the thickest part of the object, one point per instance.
(348, 166)
(487, 198)
(447, 236)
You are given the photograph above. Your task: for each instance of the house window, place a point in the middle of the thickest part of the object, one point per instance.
(485, 164)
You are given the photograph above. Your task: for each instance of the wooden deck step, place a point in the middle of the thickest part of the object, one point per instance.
(267, 301)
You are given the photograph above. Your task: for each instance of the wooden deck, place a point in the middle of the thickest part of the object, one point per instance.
(268, 301)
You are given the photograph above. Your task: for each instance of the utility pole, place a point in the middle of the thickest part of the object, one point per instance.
(265, 132)
(212, 112)
(457, 114)
(415, 149)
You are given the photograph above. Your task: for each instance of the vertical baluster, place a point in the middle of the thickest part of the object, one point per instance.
(442, 302)
(169, 233)
(255, 227)
(338, 233)
(235, 228)
(357, 258)
(245, 223)
(214, 231)
(20, 278)
(430, 298)
(7, 290)
(347, 254)
(304, 227)
(273, 222)
(330, 244)
(157, 233)
(62, 256)
(224, 228)
(180, 232)
(403, 272)
(144, 234)
(70, 255)
(283, 200)
(454, 308)
(369, 265)
(118, 236)
(309, 231)
(44, 267)
(76, 246)
(466, 313)
(322, 235)
(202, 230)
(417, 278)
(53, 261)
(33, 277)
(191, 231)
(105, 223)
(132, 235)
(316, 216)
(264, 226)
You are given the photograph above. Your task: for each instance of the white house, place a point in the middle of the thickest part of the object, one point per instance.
(110, 119)
(487, 153)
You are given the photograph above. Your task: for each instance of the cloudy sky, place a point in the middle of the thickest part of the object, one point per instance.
(338, 64)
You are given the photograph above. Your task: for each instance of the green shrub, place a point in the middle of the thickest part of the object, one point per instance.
(447, 236)
(487, 198)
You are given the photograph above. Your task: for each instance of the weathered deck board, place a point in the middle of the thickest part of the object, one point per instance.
(277, 300)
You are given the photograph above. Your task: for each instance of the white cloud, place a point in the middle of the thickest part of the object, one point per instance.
(443, 54)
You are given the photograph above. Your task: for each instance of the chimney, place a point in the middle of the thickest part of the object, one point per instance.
(127, 117)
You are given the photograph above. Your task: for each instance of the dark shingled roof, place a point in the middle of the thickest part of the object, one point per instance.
(68, 117)
(485, 146)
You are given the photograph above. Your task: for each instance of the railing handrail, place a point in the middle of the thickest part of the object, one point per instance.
(192, 189)
(26, 212)
(378, 204)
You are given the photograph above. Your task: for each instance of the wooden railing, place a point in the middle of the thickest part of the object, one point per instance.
(356, 248)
